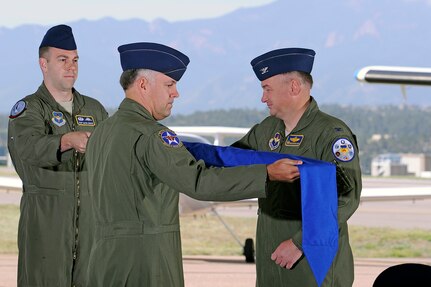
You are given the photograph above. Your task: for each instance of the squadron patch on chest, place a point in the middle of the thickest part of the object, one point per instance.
(169, 138)
(294, 140)
(17, 109)
(274, 142)
(58, 119)
(85, 121)
(343, 150)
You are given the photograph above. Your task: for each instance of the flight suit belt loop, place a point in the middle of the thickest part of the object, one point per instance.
(134, 228)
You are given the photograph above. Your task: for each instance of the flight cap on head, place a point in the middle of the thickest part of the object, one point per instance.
(155, 57)
(59, 36)
(282, 61)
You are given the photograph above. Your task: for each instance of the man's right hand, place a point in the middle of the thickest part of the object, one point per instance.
(75, 140)
(284, 170)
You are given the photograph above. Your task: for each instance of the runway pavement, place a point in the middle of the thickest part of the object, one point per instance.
(229, 271)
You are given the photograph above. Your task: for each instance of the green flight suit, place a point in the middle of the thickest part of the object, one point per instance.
(55, 196)
(315, 136)
(137, 167)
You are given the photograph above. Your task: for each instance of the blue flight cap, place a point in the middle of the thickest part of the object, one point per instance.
(282, 61)
(155, 57)
(59, 36)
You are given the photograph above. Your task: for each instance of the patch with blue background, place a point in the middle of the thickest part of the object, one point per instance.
(294, 140)
(170, 138)
(58, 119)
(85, 121)
(18, 109)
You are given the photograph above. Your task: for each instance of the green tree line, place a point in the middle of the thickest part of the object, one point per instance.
(382, 129)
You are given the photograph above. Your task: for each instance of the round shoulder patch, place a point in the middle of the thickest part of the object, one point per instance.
(169, 138)
(18, 109)
(343, 150)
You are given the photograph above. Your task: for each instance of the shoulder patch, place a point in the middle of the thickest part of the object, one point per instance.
(343, 150)
(18, 109)
(169, 138)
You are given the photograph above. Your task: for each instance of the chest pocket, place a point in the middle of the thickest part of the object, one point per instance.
(304, 149)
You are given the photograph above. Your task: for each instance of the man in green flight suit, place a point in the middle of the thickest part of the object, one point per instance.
(137, 167)
(48, 134)
(296, 126)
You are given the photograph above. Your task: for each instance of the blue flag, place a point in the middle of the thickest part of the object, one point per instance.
(318, 197)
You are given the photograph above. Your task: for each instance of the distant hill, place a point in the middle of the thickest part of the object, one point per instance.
(346, 35)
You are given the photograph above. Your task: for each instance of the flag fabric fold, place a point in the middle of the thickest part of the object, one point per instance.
(318, 197)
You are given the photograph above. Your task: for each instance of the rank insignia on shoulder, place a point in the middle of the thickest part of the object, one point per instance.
(294, 140)
(58, 119)
(18, 109)
(85, 121)
(169, 138)
(274, 142)
(343, 150)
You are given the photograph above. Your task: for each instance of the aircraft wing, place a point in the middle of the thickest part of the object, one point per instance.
(395, 75)
(189, 205)
(215, 132)
(393, 193)
(10, 183)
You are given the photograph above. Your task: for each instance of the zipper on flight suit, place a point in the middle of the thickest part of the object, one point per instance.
(76, 168)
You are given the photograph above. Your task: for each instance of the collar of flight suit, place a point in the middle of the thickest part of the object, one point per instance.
(45, 95)
(133, 106)
(308, 116)
(305, 120)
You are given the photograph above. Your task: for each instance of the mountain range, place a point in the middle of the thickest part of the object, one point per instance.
(346, 35)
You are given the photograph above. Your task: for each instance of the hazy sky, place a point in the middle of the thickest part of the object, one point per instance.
(48, 12)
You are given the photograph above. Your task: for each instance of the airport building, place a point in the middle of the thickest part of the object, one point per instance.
(405, 164)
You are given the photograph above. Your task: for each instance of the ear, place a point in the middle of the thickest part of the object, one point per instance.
(295, 86)
(142, 83)
(43, 64)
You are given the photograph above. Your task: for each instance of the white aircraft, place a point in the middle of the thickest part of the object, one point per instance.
(403, 76)
(395, 75)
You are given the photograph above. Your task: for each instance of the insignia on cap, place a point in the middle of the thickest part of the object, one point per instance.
(17, 109)
(274, 142)
(170, 138)
(294, 140)
(58, 119)
(85, 121)
(343, 150)
(281, 61)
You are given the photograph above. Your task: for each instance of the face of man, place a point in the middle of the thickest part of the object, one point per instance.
(60, 69)
(163, 93)
(277, 94)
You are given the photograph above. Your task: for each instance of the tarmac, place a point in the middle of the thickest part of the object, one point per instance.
(224, 271)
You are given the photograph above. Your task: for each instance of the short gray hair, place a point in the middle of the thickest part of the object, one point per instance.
(128, 77)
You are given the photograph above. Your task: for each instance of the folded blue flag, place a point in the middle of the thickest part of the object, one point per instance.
(318, 197)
